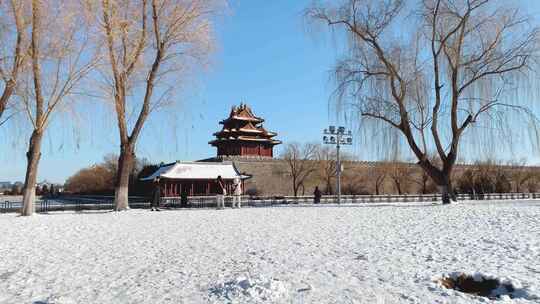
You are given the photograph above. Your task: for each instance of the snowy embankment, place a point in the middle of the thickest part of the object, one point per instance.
(384, 253)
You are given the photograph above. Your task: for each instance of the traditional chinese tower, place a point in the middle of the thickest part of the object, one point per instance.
(243, 135)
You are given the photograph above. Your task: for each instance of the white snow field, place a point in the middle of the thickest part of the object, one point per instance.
(363, 253)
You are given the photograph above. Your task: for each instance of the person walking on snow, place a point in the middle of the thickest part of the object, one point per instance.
(221, 192)
(237, 197)
(156, 196)
(317, 195)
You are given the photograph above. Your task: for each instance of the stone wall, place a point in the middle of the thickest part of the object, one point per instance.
(270, 177)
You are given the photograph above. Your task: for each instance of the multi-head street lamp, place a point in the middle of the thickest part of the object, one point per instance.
(337, 136)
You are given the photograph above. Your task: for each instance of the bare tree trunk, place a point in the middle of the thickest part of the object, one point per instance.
(8, 91)
(448, 193)
(424, 182)
(329, 189)
(18, 54)
(398, 186)
(125, 165)
(29, 191)
(294, 186)
(443, 181)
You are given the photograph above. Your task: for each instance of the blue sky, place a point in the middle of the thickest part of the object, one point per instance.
(265, 57)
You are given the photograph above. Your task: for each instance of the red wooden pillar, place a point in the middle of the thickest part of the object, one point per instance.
(165, 189)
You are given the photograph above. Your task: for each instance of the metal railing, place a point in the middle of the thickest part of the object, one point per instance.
(82, 203)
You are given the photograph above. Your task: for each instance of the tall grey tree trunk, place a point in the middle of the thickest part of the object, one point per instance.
(125, 165)
(447, 191)
(442, 179)
(445, 194)
(29, 191)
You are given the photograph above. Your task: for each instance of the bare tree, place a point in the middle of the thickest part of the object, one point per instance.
(378, 173)
(534, 183)
(13, 54)
(301, 163)
(355, 182)
(401, 174)
(326, 157)
(99, 178)
(59, 60)
(485, 176)
(498, 173)
(96, 179)
(521, 175)
(149, 42)
(432, 85)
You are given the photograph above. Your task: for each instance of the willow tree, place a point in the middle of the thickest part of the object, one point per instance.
(432, 71)
(13, 53)
(59, 59)
(149, 43)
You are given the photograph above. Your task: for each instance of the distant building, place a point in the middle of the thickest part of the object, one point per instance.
(243, 135)
(196, 178)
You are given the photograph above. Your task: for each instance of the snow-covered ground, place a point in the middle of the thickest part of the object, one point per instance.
(378, 253)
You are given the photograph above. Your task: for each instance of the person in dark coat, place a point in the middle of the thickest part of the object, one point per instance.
(221, 192)
(317, 195)
(184, 198)
(156, 196)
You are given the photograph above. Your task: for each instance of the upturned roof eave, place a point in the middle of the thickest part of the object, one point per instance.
(255, 119)
(215, 142)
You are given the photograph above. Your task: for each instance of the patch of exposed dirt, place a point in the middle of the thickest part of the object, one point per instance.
(479, 285)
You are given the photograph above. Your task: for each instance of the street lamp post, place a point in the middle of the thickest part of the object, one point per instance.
(337, 136)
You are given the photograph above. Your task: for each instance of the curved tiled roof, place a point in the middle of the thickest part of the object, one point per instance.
(243, 125)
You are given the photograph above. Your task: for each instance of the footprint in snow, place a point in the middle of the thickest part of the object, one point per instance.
(361, 257)
(6, 275)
